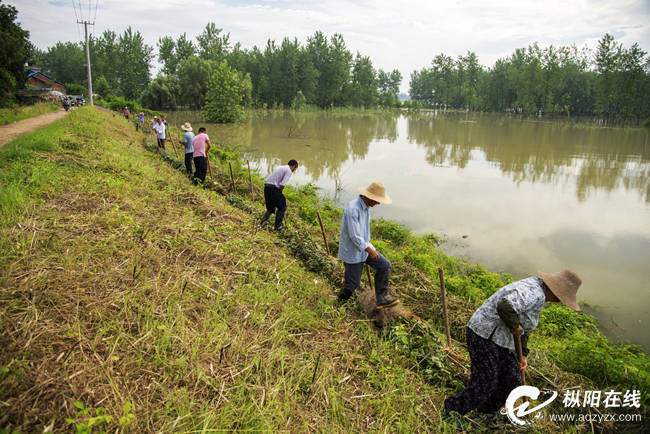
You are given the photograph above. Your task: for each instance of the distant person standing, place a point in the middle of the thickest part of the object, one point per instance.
(154, 121)
(159, 129)
(273, 196)
(127, 113)
(201, 148)
(188, 141)
(163, 119)
(141, 117)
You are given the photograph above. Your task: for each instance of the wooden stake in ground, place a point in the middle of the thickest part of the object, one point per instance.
(250, 179)
(232, 178)
(444, 305)
(171, 137)
(369, 278)
(322, 229)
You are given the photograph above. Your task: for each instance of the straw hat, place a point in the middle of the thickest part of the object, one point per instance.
(187, 127)
(155, 117)
(564, 284)
(377, 192)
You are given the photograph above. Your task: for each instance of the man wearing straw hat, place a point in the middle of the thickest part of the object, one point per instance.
(355, 249)
(188, 141)
(513, 309)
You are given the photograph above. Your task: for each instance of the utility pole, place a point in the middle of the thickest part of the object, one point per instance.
(90, 83)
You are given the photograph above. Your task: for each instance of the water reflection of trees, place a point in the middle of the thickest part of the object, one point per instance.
(591, 158)
(327, 141)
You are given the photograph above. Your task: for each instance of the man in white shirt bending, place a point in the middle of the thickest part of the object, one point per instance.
(273, 196)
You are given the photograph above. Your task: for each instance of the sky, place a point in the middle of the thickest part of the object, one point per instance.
(404, 35)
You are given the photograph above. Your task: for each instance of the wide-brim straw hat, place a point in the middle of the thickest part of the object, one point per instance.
(377, 192)
(155, 117)
(187, 127)
(564, 284)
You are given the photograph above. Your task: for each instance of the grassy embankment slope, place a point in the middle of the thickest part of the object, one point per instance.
(9, 115)
(131, 299)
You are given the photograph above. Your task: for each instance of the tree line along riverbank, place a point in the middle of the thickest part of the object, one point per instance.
(132, 299)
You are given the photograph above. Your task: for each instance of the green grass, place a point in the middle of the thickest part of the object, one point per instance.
(9, 115)
(132, 301)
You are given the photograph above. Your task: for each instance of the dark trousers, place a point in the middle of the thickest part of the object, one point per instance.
(188, 163)
(494, 374)
(201, 165)
(274, 198)
(353, 273)
(161, 143)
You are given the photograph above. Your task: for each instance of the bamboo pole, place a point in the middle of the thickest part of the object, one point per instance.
(520, 359)
(322, 229)
(250, 180)
(207, 158)
(232, 178)
(444, 304)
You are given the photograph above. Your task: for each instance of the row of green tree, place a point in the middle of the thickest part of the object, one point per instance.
(612, 82)
(322, 72)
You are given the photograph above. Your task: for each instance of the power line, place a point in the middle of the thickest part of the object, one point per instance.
(76, 19)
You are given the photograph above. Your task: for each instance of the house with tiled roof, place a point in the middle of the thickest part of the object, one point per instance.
(41, 81)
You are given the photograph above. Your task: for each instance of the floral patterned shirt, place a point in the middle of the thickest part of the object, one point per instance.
(527, 298)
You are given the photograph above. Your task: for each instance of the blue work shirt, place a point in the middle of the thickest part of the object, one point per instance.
(355, 232)
(188, 138)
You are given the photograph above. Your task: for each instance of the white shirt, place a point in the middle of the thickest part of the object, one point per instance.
(160, 130)
(280, 176)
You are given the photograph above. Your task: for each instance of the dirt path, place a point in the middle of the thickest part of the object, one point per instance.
(11, 131)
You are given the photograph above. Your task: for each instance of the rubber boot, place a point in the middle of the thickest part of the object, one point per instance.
(265, 219)
(344, 296)
(381, 292)
(278, 221)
